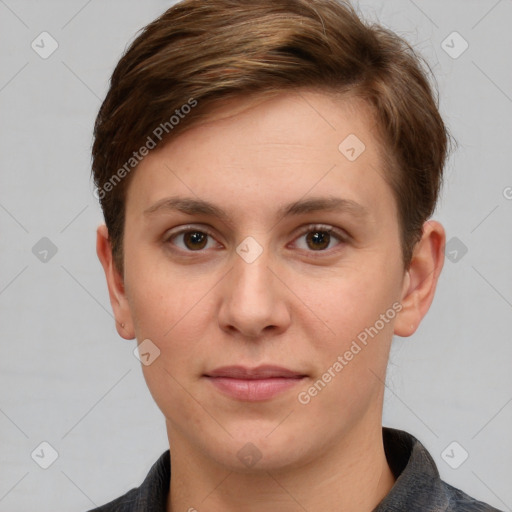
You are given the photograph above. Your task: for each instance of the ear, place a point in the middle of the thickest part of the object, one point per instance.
(116, 291)
(421, 278)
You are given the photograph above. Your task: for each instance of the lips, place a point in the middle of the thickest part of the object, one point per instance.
(261, 372)
(253, 384)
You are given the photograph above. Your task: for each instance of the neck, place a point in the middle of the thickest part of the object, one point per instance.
(352, 476)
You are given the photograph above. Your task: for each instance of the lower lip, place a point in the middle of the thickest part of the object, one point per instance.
(254, 390)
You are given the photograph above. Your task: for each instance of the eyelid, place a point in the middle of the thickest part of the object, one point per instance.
(325, 227)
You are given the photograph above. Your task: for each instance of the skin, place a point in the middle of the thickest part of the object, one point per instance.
(299, 305)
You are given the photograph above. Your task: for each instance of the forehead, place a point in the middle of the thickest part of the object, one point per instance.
(258, 152)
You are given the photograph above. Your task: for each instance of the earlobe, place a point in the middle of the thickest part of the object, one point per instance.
(115, 284)
(421, 278)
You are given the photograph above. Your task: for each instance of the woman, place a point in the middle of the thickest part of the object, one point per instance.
(267, 172)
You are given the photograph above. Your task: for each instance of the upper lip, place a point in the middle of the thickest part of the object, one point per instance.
(260, 372)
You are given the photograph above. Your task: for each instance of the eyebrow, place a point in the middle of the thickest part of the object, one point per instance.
(193, 206)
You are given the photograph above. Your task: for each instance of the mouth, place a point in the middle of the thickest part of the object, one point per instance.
(253, 384)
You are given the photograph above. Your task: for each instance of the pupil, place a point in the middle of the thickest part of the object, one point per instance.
(195, 240)
(319, 237)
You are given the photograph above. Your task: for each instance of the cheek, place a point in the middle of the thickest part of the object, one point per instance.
(353, 299)
(353, 360)
(162, 297)
(171, 319)
(358, 308)
(175, 310)
(176, 316)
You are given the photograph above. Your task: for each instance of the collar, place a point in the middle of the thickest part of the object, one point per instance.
(418, 486)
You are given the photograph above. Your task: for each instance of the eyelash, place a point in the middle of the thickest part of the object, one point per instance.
(312, 228)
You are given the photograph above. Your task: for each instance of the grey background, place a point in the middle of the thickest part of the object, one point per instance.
(68, 379)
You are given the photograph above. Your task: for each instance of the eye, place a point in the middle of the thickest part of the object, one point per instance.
(315, 238)
(191, 240)
(319, 238)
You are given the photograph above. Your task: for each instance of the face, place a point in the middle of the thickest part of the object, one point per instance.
(263, 262)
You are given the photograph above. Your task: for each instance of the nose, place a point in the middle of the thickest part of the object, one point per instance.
(254, 301)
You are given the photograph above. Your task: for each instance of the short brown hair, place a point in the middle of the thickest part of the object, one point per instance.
(199, 53)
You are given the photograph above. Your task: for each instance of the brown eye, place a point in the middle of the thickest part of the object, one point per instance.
(195, 240)
(318, 240)
(191, 240)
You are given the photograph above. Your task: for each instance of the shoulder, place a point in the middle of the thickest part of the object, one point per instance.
(124, 503)
(418, 485)
(459, 501)
(150, 495)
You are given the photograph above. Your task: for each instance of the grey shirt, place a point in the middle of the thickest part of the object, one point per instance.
(418, 486)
